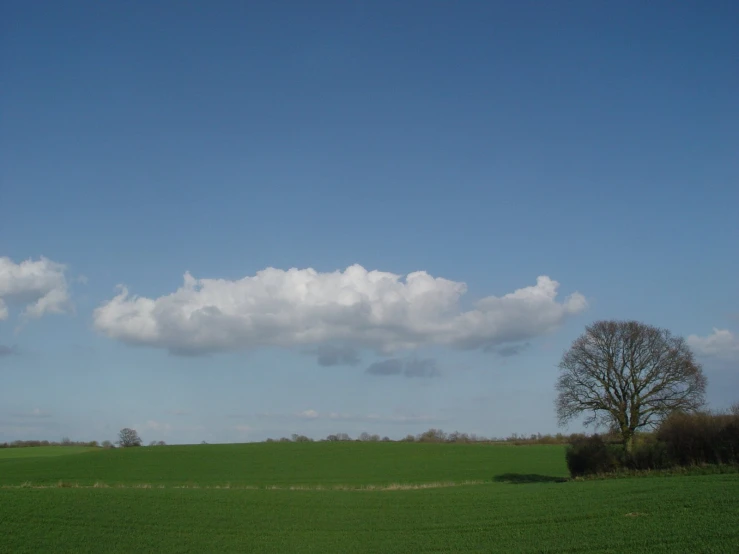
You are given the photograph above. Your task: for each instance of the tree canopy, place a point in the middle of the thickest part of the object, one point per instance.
(128, 437)
(628, 375)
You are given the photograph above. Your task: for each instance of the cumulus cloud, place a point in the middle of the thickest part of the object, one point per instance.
(39, 286)
(409, 368)
(722, 343)
(355, 308)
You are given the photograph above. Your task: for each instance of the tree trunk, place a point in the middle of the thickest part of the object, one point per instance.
(628, 436)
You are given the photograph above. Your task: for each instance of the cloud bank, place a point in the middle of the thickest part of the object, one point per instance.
(722, 343)
(354, 308)
(39, 286)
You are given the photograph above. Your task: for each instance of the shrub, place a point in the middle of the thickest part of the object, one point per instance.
(432, 435)
(650, 454)
(590, 455)
(701, 438)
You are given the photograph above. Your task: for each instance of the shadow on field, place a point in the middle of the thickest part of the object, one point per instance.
(522, 478)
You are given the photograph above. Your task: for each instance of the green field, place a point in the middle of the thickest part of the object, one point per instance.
(317, 498)
(351, 463)
(43, 451)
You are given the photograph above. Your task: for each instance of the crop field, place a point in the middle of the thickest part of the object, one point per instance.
(43, 451)
(352, 497)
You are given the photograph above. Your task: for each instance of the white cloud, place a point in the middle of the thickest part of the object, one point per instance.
(242, 428)
(40, 286)
(356, 308)
(722, 343)
(308, 414)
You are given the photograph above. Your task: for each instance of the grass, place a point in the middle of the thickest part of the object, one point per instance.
(353, 497)
(42, 452)
(324, 464)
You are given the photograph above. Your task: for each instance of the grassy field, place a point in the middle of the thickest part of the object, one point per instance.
(43, 451)
(515, 505)
(351, 463)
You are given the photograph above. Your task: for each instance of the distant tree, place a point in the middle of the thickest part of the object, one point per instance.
(161, 443)
(128, 438)
(456, 436)
(628, 375)
(385, 439)
(365, 436)
(332, 438)
(432, 435)
(343, 437)
(66, 441)
(107, 444)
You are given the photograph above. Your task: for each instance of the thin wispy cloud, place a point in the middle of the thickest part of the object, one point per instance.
(423, 368)
(36, 413)
(8, 350)
(508, 351)
(318, 416)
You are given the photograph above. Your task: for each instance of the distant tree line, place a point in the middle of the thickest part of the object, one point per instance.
(31, 443)
(126, 438)
(439, 436)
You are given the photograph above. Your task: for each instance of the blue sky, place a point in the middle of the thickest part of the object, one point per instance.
(182, 149)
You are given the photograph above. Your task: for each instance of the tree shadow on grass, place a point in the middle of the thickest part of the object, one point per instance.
(523, 478)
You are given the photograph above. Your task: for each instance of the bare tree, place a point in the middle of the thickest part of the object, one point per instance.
(628, 375)
(128, 437)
